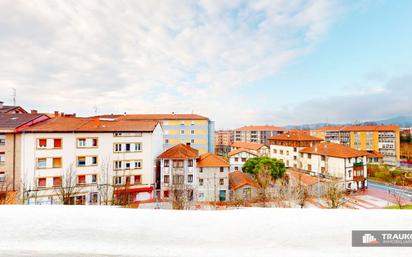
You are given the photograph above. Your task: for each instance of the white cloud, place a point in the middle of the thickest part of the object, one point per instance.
(152, 56)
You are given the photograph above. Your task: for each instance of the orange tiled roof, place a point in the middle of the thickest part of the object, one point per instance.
(295, 136)
(180, 151)
(361, 128)
(238, 179)
(211, 160)
(304, 178)
(333, 150)
(77, 124)
(372, 154)
(260, 128)
(240, 150)
(249, 146)
(156, 116)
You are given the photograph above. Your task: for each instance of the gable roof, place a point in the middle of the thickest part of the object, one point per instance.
(238, 179)
(240, 150)
(12, 121)
(372, 154)
(77, 124)
(250, 146)
(180, 151)
(155, 116)
(211, 160)
(333, 150)
(260, 128)
(295, 136)
(361, 128)
(304, 178)
(10, 108)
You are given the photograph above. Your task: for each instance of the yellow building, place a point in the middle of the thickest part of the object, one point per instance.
(384, 139)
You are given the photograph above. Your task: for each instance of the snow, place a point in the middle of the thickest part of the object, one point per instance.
(111, 231)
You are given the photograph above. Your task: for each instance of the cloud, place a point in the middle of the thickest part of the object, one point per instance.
(152, 56)
(373, 103)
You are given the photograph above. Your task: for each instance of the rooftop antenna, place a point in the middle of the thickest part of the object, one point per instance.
(95, 110)
(14, 95)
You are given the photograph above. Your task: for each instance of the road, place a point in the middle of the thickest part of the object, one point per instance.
(407, 194)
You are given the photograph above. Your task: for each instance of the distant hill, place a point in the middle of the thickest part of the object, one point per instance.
(403, 121)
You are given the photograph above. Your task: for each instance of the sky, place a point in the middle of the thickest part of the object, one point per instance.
(278, 62)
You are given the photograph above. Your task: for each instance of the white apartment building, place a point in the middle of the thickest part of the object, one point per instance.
(101, 158)
(286, 147)
(238, 157)
(337, 161)
(203, 178)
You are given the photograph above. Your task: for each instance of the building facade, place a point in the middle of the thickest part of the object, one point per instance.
(238, 157)
(100, 160)
(336, 161)
(256, 134)
(384, 139)
(260, 149)
(286, 147)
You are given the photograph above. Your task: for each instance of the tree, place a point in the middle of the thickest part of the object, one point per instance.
(105, 186)
(266, 171)
(300, 192)
(333, 195)
(7, 195)
(69, 187)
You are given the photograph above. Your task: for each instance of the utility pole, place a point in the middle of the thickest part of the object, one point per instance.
(14, 95)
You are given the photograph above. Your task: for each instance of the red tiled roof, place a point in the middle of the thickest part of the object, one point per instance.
(304, 178)
(211, 160)
(156, 116)
(77, 124)
(250, 146)
(260, 128)
(333, 150)
(11, 121)
(372, 154)
(295, 136)
(9, 108)
(240, 150)
(361, 128)
(180, 151)
(238, 179)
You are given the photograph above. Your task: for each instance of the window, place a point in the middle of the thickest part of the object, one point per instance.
(166, 194)
(118, 147)
(222, 169)
(166, 179)
(94, 179)
(182, 132)
(200, 181)
(349, 173)
(57, 143)
(281, 152)
(117, 180)
(192, 132)
(81, 161)
(81, 142)
(178, 179)
(81, 179)
(295, 149)
(117, 165)
(138, 164)
(275, 151)
(190, 163)
(42, 143)
(309, 167)
(178, 164)
(201, 170)
(41, 182)
(94, 160)
(137, 179)
(57, 162)
(222, 181)
(323, 158)
(236, 168)
(127, 147)
(201, 195)
(2, 176)
(57, 181)
(236, 159)
(94, 142)
(243, 159)
(192, 141)
(2, 158)
(189, 178)
(166, 163)
(295, 158)
(166, 141)
(42, 163)
(2, 140)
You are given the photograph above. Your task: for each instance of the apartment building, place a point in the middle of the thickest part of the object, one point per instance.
(260, 149)
(336, 161)
(256, 134)
(223, 141)
(238, 157)
(384, 139)
(193, 129)
(99, 159)
(286, 147)
(11, 125)
(201, 177)
(242, 186)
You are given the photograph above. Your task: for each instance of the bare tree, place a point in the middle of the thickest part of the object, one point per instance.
(299, 192)
(68, 188)
(7, 195)
(264, 180)
(181, 194)
(105, 186)
(334, 195)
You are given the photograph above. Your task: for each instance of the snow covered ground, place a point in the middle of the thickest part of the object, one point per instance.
(110, 231)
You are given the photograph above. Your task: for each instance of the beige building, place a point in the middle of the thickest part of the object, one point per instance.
(256, 134)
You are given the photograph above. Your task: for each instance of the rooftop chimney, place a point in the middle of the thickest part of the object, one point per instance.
(33, 112)
(56, 114)
(1, 104)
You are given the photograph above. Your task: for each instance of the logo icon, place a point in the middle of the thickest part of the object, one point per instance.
(369, 239)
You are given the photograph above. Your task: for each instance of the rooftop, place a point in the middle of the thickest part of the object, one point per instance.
(180, 151)
(12, 121)
(240, 150)
(361, 128)
(333, 150)
(249, 146)
(77, 124)
(238, 179)
(211, 160)
(295, 136)
(169, 116)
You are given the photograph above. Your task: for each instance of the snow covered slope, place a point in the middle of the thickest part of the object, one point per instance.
(110, 231)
